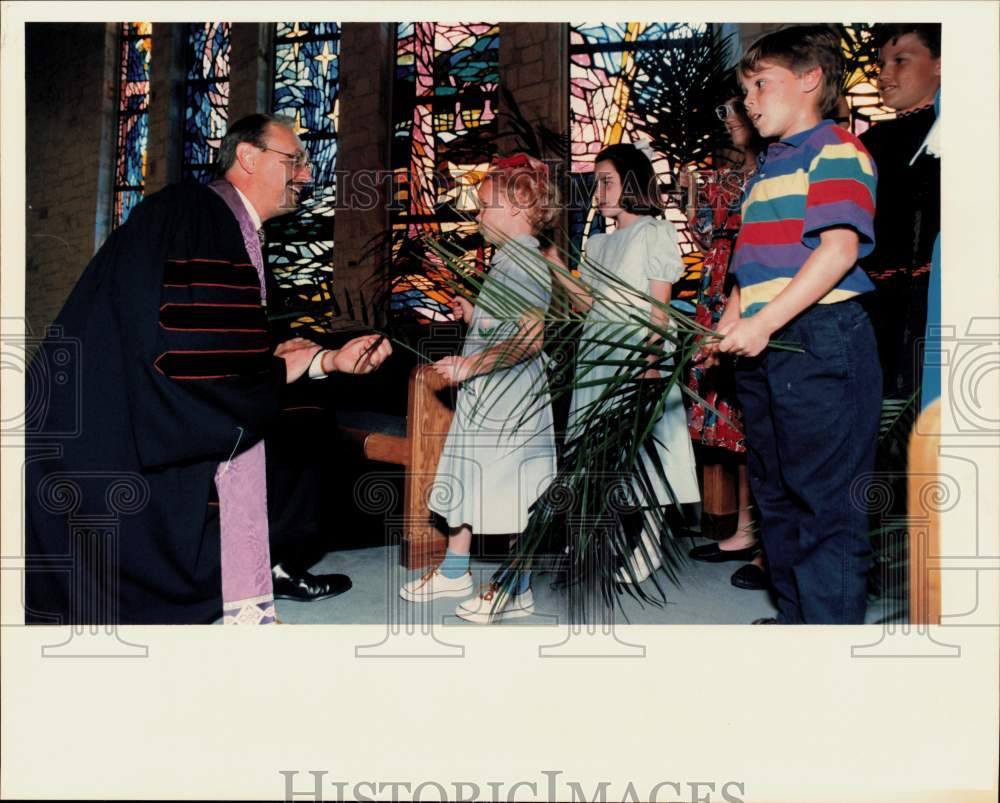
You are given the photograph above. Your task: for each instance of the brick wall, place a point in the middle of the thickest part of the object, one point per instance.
(534, 66)
(166, 106)
(250, 66)
(365, 107)
(70, 88)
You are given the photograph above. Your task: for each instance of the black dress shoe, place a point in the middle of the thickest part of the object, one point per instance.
(751, 577)
(710, 553)
(767, 620)
(307, 587)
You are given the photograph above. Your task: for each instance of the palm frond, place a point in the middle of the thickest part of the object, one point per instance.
(897, 418)
(674, 96)
(535, 139)
(611, 445)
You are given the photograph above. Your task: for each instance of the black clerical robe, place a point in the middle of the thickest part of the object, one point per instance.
(907, 221)
(160, 367)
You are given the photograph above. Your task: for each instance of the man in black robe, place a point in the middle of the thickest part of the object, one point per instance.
(159, 370)
(908, 202)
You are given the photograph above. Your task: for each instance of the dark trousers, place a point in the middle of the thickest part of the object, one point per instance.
(294, 494)
(898, 309)
(303, 453)
(811, 421)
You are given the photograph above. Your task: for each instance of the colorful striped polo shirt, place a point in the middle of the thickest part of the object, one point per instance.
(817, 179)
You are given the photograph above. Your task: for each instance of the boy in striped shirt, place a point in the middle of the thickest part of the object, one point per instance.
(811, 416)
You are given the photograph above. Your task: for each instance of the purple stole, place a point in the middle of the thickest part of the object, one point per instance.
(247, 590)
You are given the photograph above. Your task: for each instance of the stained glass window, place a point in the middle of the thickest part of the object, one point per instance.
(603, 72)
(300, 245)
(206, 97)
(862, 93)
(444, 124)
(134, 47)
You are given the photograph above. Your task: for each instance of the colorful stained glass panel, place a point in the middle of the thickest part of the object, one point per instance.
(135, 46)
(444, 124)
(603, 70)
(300, 246)
(863, 99)
(206, 97)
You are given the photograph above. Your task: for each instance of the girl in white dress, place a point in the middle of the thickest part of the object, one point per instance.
(642, 253)
(499, 456)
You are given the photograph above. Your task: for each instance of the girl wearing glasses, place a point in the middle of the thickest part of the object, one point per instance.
(714, 218)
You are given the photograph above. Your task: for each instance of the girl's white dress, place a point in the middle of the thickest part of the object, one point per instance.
(646, 250)
(500, 454)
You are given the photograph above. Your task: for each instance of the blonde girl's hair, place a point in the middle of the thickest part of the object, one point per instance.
(529, 185)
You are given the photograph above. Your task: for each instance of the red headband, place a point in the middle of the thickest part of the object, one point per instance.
(520, 160)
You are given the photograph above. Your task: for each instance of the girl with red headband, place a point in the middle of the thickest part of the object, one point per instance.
(498, 458)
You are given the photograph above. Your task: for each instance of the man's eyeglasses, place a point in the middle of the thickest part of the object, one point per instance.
(726, 109)
(300, 160)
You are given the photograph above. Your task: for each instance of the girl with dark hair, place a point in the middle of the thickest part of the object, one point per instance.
(641, 253)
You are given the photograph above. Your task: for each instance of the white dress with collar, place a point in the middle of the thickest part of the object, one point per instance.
(647, 250)
(500, 455)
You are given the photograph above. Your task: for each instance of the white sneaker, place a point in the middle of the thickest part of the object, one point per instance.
(434, 585)
(639, 564)
(484, 609)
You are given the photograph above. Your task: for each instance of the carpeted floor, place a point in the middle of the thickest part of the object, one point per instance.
(704, 596)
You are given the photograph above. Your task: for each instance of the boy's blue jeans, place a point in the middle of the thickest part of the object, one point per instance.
(811, 421)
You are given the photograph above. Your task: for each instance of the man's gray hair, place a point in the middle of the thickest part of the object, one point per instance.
(247, 129)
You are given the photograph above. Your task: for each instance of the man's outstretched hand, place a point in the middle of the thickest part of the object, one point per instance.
(362, 355)
(297, 353)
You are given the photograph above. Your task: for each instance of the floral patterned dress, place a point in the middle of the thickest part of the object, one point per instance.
(718, 218)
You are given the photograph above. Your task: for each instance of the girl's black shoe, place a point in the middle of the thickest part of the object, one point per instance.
(710, 553)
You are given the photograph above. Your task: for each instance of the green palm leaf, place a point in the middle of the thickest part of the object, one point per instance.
(674, 97)
(611, 452)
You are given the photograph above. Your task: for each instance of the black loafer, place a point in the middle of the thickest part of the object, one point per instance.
(710, 553)
(751, 577)
(310, 587)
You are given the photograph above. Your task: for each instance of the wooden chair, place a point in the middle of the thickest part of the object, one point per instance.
(428, 417)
